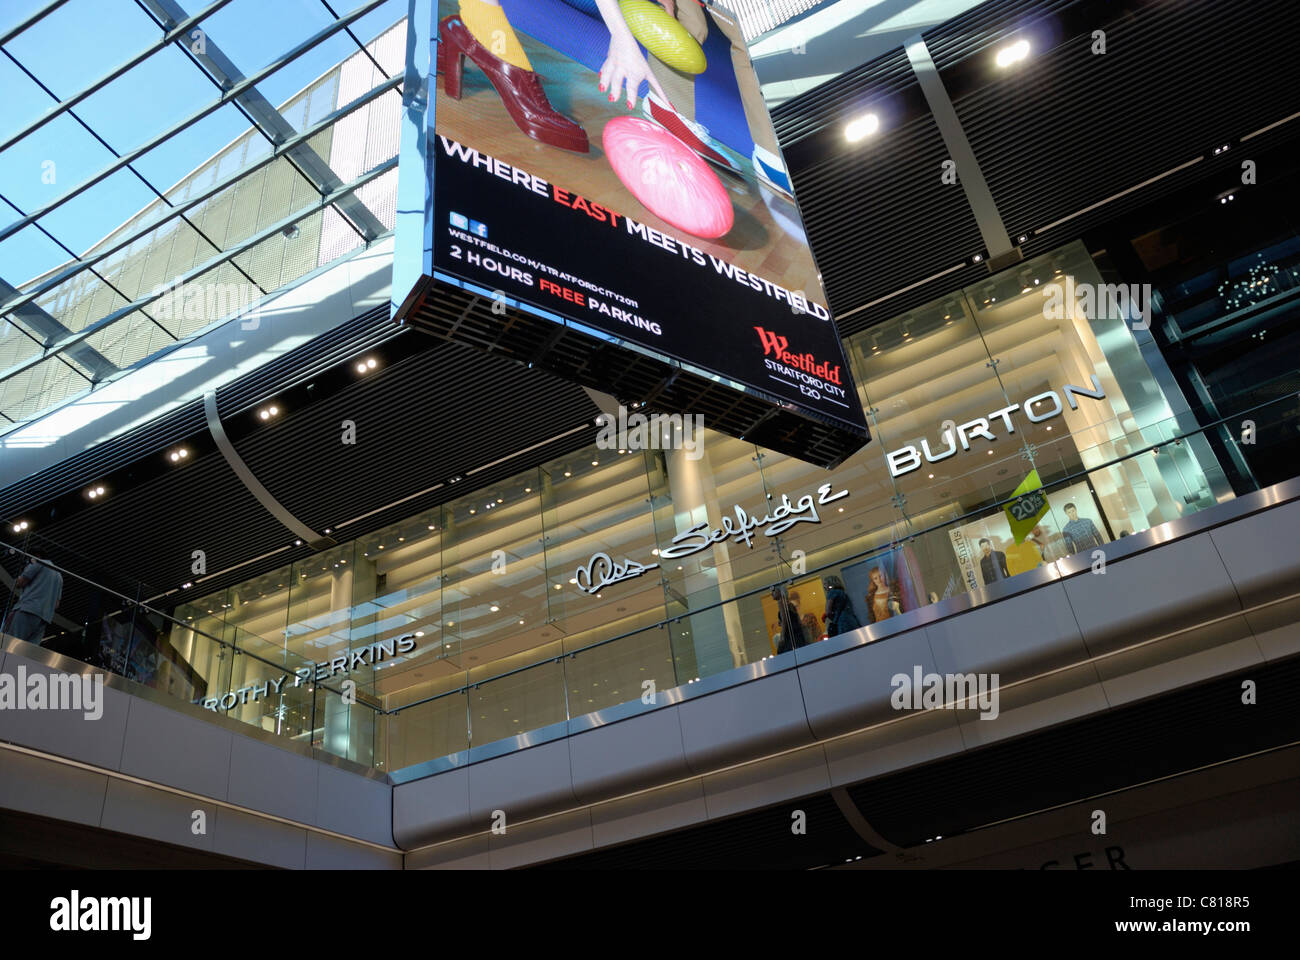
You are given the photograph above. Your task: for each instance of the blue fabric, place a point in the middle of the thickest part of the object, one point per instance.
(586, 6)
(717, 96)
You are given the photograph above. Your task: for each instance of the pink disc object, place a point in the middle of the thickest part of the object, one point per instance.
(668, 177)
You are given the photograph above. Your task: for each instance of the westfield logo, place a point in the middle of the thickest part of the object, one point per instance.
(775, 345)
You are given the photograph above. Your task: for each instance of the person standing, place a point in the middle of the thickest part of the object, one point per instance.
(840, 617)
(791, 629)
(1080, 533)
(42, 588)
(993, 563)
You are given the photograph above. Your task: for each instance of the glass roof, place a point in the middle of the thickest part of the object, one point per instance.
(127, 165)
(124, 167)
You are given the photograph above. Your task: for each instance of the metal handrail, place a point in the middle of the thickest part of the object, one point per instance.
(138, 604)
(971, 514)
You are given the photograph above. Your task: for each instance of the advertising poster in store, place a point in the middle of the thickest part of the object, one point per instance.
(809, 601)
(613, 163)
(987, 549)
(885, 585)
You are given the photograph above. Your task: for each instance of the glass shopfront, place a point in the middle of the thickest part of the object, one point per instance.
(1018, 387)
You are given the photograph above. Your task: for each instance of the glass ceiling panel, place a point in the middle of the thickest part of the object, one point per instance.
(75, 47)
(26, 255)
(169, 163)
(28, 180)
(85, 219)
(279, 27)
(91, 37)
(23, 101)
(14, 12)
(171, 85)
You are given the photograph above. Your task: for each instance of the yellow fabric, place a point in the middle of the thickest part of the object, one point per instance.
(489, 26)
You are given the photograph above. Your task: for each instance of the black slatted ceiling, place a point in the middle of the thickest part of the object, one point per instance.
(1177, 79)
(1118, 749)
(438, 410)
(1067, 130)
(75, 472)
(761, 840)
(1122, 747)
(441, 413)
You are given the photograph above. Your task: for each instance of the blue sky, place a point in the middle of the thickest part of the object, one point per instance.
(85, 39)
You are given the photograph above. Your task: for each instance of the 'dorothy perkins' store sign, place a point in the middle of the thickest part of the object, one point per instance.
(316, 672)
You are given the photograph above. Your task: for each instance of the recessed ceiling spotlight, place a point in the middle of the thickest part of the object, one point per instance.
(179, 454)
(20, 526)
(494, 608)
(861, 127)
(1012, 53)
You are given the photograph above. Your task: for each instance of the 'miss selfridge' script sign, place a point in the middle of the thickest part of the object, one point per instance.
(602, 570)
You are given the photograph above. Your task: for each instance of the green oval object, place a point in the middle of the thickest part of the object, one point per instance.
(663, 36)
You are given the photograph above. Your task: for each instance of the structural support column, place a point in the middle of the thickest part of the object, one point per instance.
(996, 241)
(717, 633)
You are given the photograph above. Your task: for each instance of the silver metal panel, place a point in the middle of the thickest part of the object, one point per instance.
(774, 780)
(853, 689)
(51, 789)
(1064, 695)
(912, 741)
(264, 778)
(63, 732)
(254, 486)
(969, 175)
(469, 853)
(354, 806)
(647, 813)
(567, 835)
(138, 691)
(622, 711)
(157, 814)
(1262, 553)
(330, 853)
(521, 741)
(1277, 628)
(431, 809)
(1152, 594)
(744, 721)
(177, 751)
(525, 784)
(413, 227)
(238, 834)
(1019, 637)
(1201, 653)
(620, 757)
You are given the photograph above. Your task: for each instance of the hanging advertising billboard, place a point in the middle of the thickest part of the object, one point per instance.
(612, 164)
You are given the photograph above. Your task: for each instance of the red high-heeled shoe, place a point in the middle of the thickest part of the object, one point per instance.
(520, 90)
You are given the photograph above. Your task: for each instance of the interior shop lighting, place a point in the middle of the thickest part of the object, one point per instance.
(1012, 53)
(859, 128)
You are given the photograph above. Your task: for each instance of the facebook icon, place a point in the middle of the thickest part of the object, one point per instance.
(478, 229)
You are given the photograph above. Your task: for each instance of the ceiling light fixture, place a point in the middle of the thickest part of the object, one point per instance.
(861, 127)
(1012, 53)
